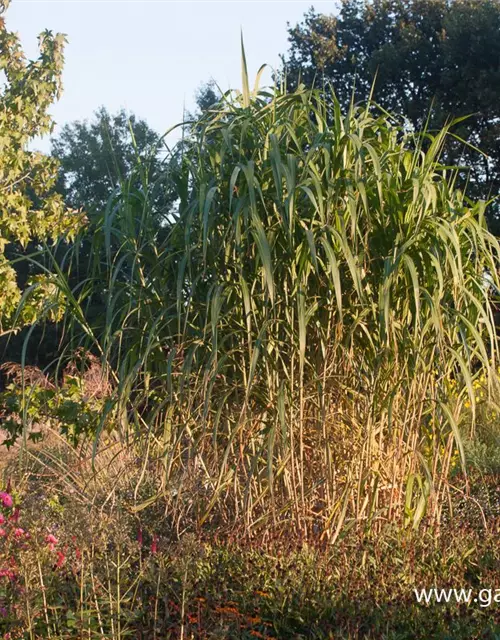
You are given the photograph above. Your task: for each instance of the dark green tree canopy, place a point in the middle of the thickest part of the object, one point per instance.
(207, 96)
(425, 56)
(96, 156)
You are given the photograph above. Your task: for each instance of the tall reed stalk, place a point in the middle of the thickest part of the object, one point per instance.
(298, 343)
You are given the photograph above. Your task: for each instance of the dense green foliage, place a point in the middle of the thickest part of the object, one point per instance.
(96, 157)
(436, 58)
(29, 209)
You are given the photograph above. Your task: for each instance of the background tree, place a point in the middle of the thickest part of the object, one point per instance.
(207, 96)
(96, 156)
(30, 210)
(425, 54)
(101, 160)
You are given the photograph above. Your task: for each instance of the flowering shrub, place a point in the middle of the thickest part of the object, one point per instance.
(11, 536)
(54, 577)
(32, 570)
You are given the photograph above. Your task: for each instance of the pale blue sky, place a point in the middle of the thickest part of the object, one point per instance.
(150, 56)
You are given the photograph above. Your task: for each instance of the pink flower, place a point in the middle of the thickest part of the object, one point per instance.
(7, 573)
(2, 519)
(51, 541)
(6, 499)
(154, 544)
(3, 533)
(61, 559)
(19, 533)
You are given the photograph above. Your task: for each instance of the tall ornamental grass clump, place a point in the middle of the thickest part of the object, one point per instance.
(301, 344)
